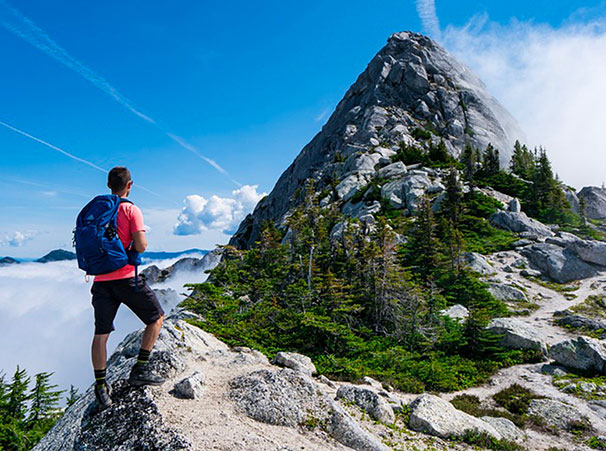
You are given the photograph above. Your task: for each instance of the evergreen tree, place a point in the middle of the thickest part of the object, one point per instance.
(73, 396)
(44, 399)
(17, 395)
(422, 249)
(583, 209)
(469, 158)
(490, 164)
(452, 204)
(522, 161)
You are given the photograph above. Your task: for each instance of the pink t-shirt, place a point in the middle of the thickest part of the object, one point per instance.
(130, 220)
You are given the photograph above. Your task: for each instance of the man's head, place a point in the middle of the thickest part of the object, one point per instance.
(119, 181)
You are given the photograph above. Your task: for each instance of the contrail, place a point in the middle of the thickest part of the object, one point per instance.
(18, 24)
(429, 18)
(69, 155)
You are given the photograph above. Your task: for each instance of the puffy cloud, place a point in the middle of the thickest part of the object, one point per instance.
(17, 239)
(551, 80)
(216, 213)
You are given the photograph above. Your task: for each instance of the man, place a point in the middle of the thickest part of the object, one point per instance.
(112, 289)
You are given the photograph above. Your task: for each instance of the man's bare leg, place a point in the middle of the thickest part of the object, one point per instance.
(150, 335)
(99, 351)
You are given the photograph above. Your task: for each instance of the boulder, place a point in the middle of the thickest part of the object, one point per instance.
(518, 222)
(345, 430)
(476, 262)
(560, 265)
(457, 312)
(514, 206)
(566, 318)
(282, 397)
(589, 251)
(517, 334)
(432, 415)
(407, 191)
(393, 170)
(505, 427)
(556, 414)
(294, 361)
(581, 353)
(571, 196)
(368, 401)
(191, 387)
(351, 184)
(505, 292)
(595, 201)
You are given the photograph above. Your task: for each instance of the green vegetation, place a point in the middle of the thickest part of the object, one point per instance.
(429, 155)
(482, 440)
(358, 304)
(594, 306)
(26, 414)
(515, 399)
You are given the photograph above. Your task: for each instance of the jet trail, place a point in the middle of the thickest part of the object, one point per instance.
(18, 24)
(429, 18)
(69, 155)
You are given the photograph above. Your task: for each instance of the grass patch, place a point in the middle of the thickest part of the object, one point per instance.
(594, 306)
(482, 440)
(515, 399)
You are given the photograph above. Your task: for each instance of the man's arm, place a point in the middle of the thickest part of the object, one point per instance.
(137, 229)
(139, 241)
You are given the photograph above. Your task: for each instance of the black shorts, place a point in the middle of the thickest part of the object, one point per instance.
(108, 295)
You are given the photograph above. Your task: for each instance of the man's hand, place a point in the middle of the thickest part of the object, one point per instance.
(139, 241)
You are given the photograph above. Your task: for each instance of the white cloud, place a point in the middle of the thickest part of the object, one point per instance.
(551, 80)
(17, 239)
(46, 319)
(216, 213)
(429, 18)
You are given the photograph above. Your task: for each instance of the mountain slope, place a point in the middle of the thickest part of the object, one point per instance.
(412, 92)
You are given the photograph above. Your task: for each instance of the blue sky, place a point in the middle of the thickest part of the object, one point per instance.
(248, 84)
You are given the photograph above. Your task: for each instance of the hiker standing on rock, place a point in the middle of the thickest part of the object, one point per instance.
(109, 237)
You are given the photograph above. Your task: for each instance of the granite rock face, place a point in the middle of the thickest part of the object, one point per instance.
(595, 201)
(557, 263)
(412, 84)
(435, 416)
(581, 353)
(517, 334)
(516, 221)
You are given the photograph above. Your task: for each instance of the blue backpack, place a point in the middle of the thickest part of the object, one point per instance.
(98, 247)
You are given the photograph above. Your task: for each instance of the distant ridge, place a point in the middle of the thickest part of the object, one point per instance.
(8, 261)
(57, 255)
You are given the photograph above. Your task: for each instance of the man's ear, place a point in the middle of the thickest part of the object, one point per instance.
(109, 186)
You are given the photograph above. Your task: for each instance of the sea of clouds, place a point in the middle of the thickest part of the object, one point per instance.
(46, 319)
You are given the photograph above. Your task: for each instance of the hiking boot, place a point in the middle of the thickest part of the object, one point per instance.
(102, 394)
(142, 375)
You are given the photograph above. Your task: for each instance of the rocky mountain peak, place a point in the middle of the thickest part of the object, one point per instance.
(412, 92)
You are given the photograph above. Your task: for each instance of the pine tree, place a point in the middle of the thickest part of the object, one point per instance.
(583, 209)
(491, 164)
(44, 398)
(522, 161)
(17, 395)
(73, 396)
(452, 204)
(422, 249)
(469, 158)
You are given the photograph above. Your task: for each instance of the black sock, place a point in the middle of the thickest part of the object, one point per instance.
(143, 357)
(100, 377)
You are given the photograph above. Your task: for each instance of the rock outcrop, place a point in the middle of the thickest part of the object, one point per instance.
(412, 92)
(595, 201)
(519, 222)
(435, 416)
(557, 263)
(581, 353)
(517, 334)
(57, 255)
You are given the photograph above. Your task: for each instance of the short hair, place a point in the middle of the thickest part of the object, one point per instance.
(118, 178)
